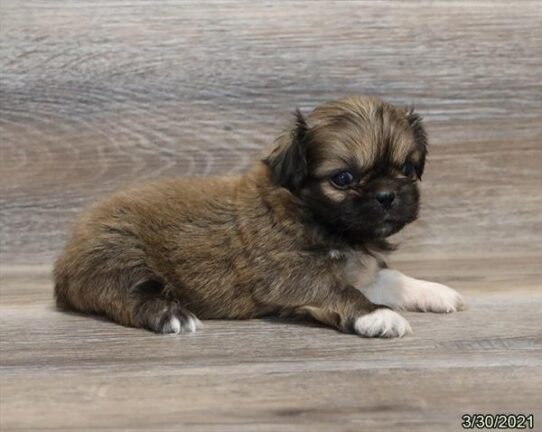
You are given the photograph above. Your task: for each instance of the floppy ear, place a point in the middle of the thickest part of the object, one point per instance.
(288, 161)
(420, 137)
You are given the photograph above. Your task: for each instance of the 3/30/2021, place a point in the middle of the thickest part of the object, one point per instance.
(497, 421)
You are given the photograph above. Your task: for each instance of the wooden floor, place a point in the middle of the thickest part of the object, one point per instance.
(99, 94)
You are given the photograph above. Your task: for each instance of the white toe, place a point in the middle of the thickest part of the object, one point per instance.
(198, 323)
(173, 325)
(382, 323)
(190, 326)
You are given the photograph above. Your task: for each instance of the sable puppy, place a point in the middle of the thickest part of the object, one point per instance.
(302, 232)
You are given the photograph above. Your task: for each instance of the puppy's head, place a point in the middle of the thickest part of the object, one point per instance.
(355, 164)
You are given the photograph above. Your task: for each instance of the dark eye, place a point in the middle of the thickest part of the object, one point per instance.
(408, 169)
(342, 179)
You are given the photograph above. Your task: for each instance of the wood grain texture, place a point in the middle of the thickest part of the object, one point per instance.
(69, 372)
(96, 95)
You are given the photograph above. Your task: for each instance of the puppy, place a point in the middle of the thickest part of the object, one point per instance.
(302, 232)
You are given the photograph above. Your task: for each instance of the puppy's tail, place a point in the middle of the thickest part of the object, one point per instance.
(61, 287)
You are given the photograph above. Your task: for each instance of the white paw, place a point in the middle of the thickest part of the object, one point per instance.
(174, 325)
(434, 297)
(397, 291)
(382, 323)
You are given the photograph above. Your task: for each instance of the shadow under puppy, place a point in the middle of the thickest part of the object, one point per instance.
(301, 232)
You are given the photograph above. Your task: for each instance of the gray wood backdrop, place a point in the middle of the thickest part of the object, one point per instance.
(96, 95)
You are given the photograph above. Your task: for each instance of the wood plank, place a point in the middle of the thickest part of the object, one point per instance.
(69, 372)
(65, 371)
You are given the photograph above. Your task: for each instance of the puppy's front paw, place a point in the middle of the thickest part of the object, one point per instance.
(397, 291)
(382, 323)
(434, 297)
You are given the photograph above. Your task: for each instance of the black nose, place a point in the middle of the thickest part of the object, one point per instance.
(385, 198)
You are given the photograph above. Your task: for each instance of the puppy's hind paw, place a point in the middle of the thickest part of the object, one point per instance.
(178, 322)
(382, 323)
(166, 317)
(180, 325)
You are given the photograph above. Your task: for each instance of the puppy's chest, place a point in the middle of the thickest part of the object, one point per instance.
(354, 267)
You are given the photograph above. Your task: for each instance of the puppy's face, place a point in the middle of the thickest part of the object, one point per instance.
(355, 164)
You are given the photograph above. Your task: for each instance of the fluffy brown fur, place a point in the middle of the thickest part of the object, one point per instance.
(280, 239)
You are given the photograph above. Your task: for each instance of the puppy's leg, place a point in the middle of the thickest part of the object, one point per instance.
(400, 292)
(349, 311)
(122, 287)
